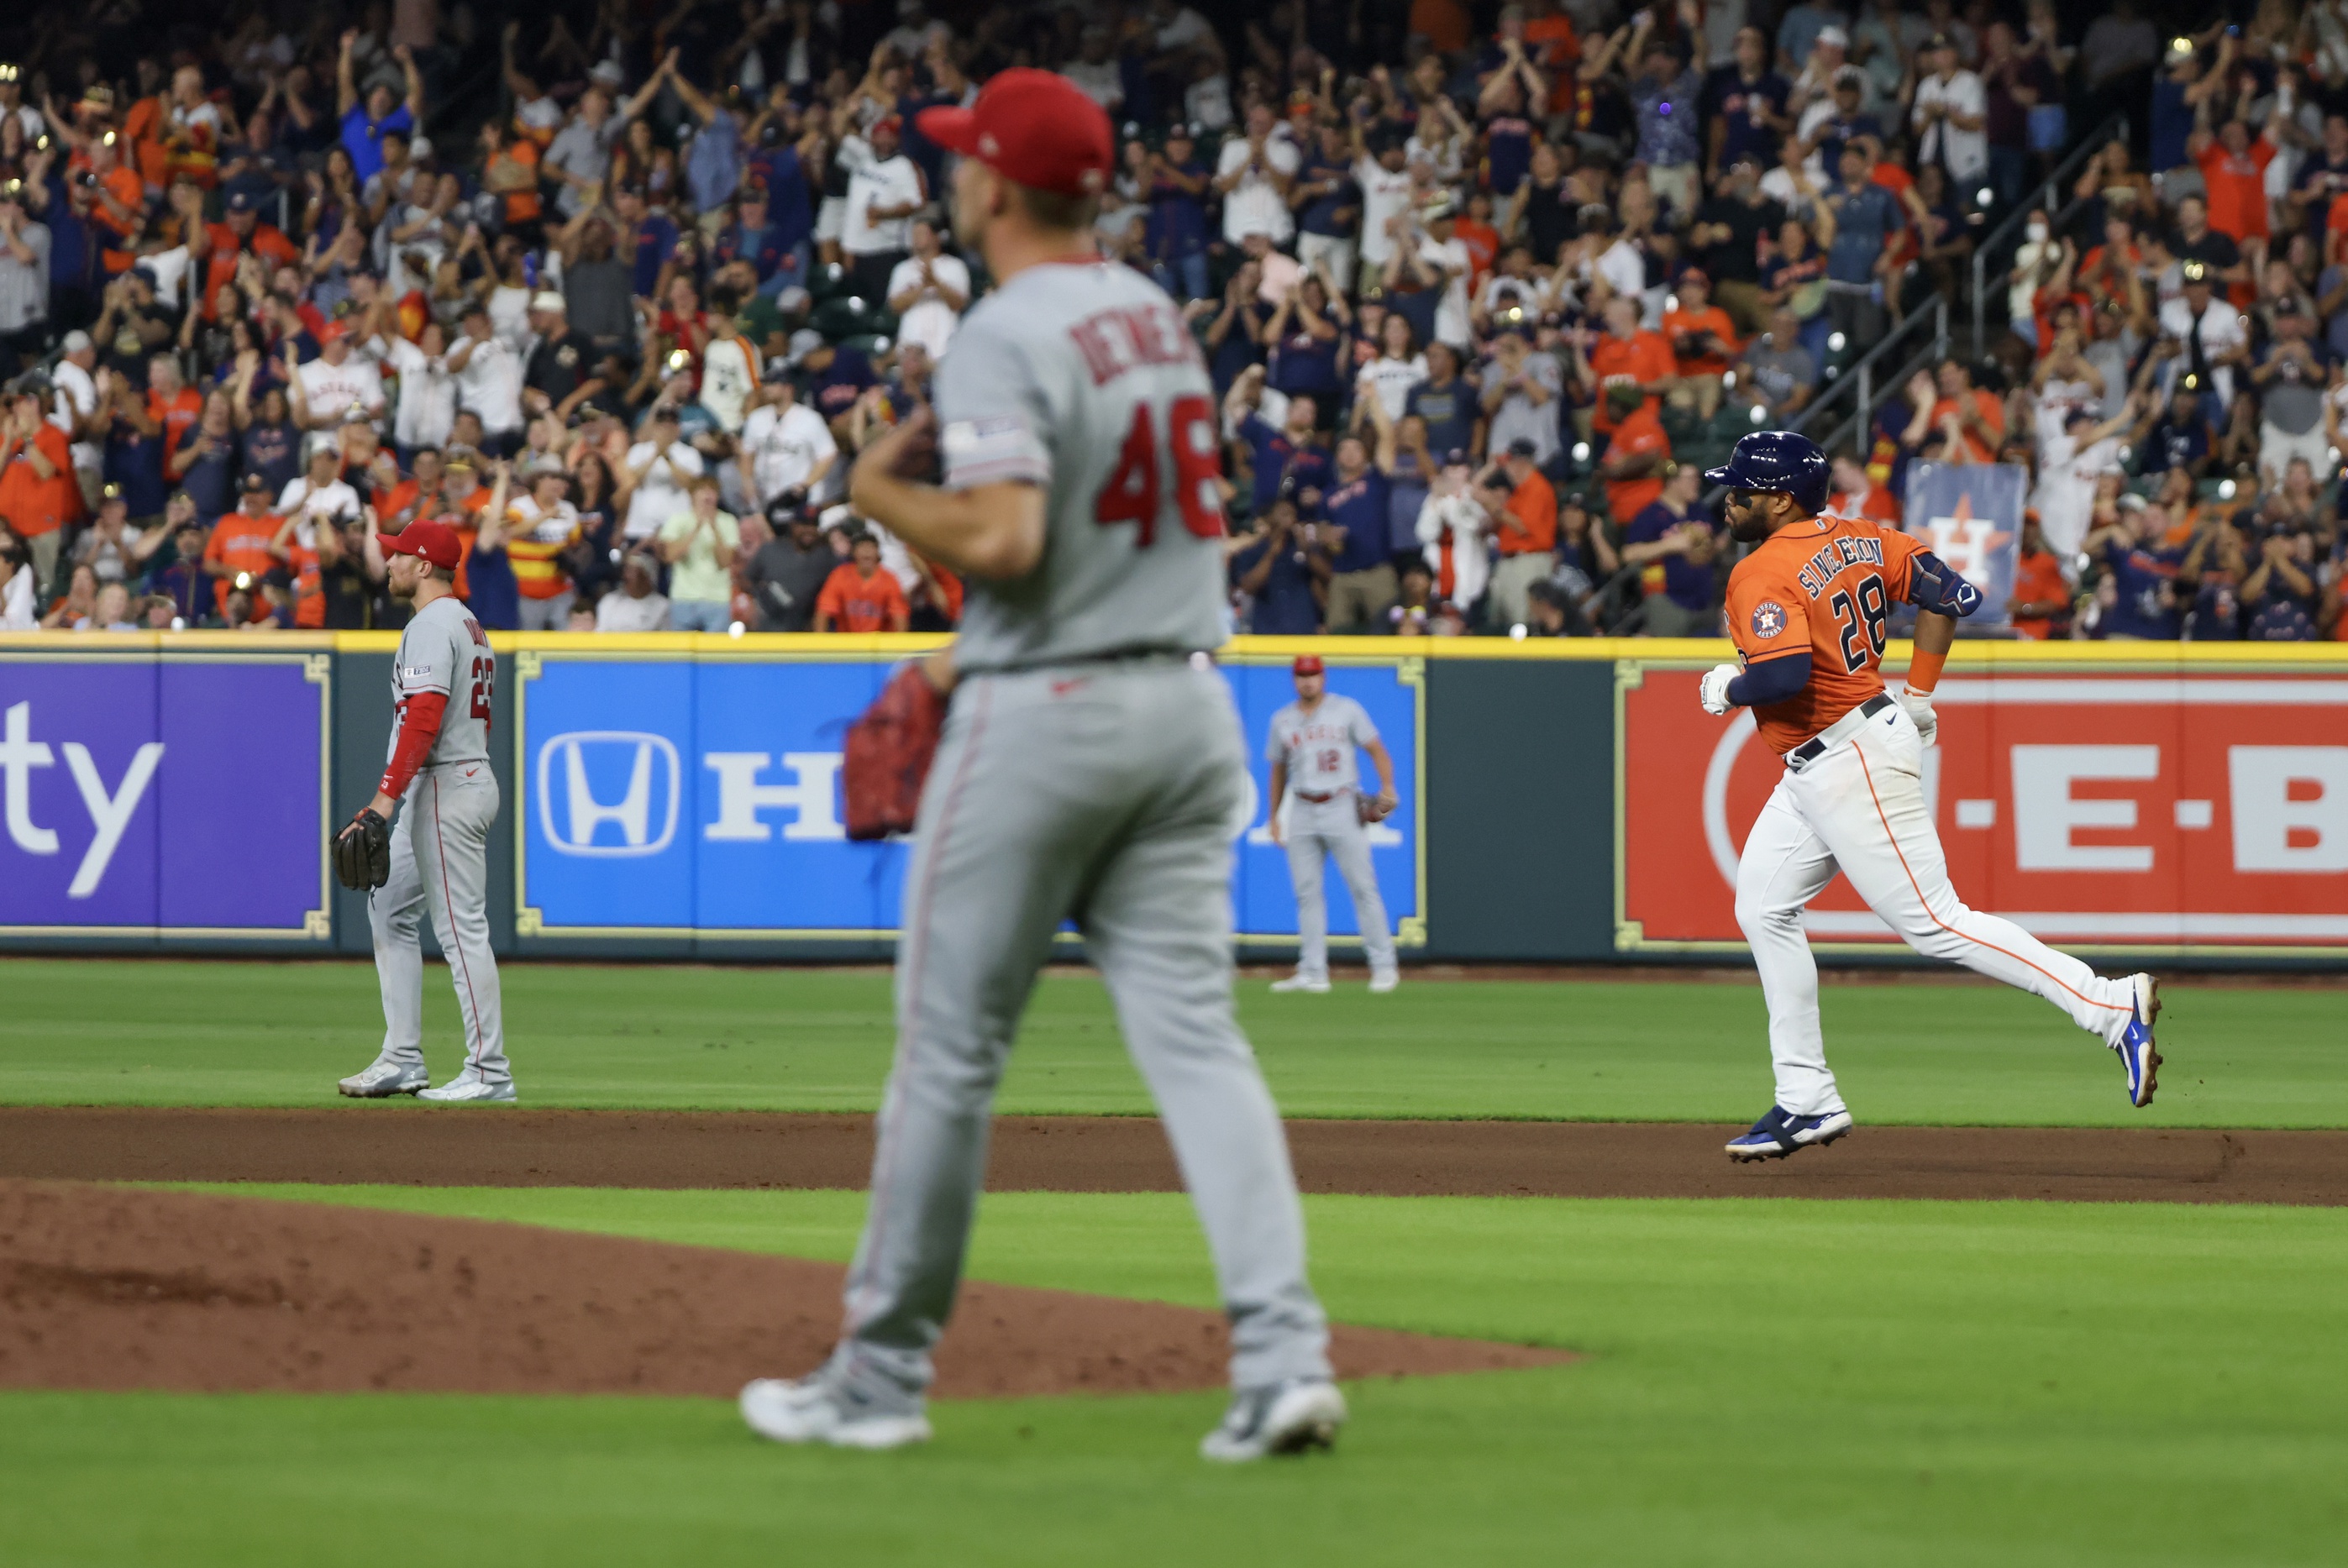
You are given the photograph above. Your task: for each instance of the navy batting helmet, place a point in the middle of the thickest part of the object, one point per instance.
(1777, 460)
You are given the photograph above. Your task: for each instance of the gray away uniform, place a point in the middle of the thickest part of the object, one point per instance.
(1092, 769)
(1324, 777)
(439, 845)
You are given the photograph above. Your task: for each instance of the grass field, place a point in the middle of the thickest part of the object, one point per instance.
(223, 1033)
(1849, 1382)
(1927, 1383)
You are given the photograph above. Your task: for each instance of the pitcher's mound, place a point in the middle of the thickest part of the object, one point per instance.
(108, 1287)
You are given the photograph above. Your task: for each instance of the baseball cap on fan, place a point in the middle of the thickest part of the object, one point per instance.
(1308, 664)
(1034, 129)
(435, 541)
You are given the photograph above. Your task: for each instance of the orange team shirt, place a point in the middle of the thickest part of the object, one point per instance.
(859, 603)
(1643, 432)
(1823, 588)
(2038, 580)
(177, 418)
(1711, 319)
(1552, 42)
(1878, 504)
(32, 505)
(1528, 524)
(240, 542)
(1643, 356)
(2238, 187)
(266, 242)
(1993, 415)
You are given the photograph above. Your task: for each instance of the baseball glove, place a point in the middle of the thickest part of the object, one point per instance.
(887, 755)
(363, 851)
(1373, 807)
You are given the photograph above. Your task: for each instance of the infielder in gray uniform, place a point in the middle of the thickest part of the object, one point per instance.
(441, 682)
(1091, 769)
(1311, 752)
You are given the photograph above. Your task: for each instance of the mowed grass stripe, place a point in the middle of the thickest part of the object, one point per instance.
(234, 1033)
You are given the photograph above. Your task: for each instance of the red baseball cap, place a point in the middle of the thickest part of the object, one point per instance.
(1034, 129)
(1308, 664)
(435, 541)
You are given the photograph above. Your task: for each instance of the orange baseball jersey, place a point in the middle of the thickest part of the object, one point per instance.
(1823, 588)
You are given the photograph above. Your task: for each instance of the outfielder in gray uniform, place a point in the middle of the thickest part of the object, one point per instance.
(1311, 752)
(1091, 769)
(441, 682)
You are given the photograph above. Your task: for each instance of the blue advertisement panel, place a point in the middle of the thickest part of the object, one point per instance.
(702, 798)
(179, 797)
(1970, 515)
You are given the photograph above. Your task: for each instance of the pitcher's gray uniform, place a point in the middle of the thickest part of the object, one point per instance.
(440, 845)
(1091, 769)
(1324, 779)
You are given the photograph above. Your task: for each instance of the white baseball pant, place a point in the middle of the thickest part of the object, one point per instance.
(1860, 808)
(1319, 831)
(439, 863)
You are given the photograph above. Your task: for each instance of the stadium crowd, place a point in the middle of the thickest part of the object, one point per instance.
(622, 288)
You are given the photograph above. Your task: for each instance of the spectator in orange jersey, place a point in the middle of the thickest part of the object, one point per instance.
(1703, 340)
(859, 597)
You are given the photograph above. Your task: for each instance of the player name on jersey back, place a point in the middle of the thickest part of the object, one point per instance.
(1084, 379)
(1833, 555)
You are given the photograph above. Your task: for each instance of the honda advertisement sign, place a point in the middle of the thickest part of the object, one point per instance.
(2163, 810)
(701, 797)
(172, 797)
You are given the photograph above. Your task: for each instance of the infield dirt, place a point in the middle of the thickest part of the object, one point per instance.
(111, 1287)
(495, 1146)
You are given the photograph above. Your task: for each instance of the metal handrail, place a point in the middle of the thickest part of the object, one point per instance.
(1858, 379)
(1853, 431)
(2114, 127)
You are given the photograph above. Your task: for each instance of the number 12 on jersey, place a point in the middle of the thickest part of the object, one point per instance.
(1132, 495)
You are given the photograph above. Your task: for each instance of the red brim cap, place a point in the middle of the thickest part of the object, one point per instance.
(1035, 129)
(432, 541)
(1308, 664)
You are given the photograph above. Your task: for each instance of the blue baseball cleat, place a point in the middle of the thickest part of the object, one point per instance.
(1780, 1133)
(2134, 1046)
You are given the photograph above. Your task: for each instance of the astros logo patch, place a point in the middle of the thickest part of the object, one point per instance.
(1768, 618)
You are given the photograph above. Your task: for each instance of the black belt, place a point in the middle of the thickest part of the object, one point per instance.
(1814, 748)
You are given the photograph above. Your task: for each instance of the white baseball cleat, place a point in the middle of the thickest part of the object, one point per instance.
(834, 1407)
(1382, 980)
(1277, 1419)
(385, 1078)
(1300, 983)
(469, 1088)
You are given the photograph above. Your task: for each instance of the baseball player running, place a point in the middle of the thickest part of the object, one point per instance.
(1091, 769)
(1312, 753)
(1806, 609)
(437, 856)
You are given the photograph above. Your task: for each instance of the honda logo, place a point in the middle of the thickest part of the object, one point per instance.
(600, 793)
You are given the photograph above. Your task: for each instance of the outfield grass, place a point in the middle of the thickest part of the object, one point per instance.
(229, 1033)
(1864, 1383)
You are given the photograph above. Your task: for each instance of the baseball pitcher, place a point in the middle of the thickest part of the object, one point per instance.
(1312, 753)
(1806, 609)
(1091, 769)
(437, 857)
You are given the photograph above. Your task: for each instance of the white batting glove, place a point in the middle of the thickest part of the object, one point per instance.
(1716, 687)
(1918, 707)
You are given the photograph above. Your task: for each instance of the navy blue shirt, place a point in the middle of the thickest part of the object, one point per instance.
(1729, 98)
(833, 390)
(1177, 223)
(762, 248)
(1507, 150)
(1229, 360)
(1359, 507)
(1277, 458)
(491, 591)
(135, 461)
(2174, 444)
(1285, 606)
(1302, 363)
(1407, 492)
(1449, 412)
(2172, 123)
(790, 210)
(2141, 574)
(210, 480)
(1685, 583)
(274, 452)
(1322, 215)
(656, 244)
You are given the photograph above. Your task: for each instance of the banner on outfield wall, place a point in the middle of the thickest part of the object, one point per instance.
(2166, 812)
(1970, 515)
(700, 797)
(172, 797)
